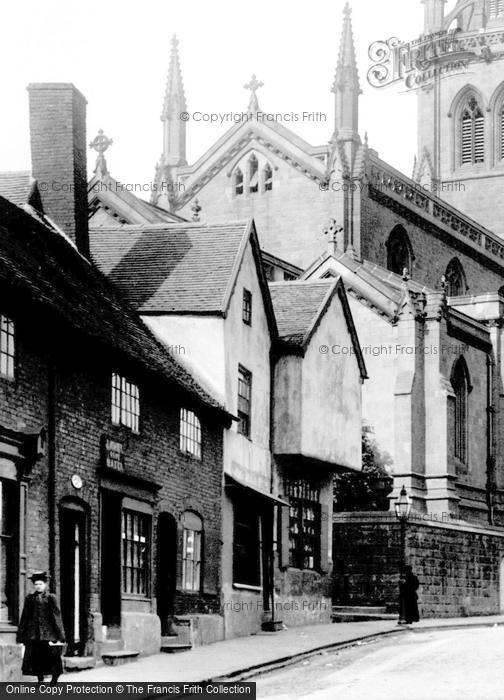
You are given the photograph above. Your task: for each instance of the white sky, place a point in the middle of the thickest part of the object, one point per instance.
(117, 54)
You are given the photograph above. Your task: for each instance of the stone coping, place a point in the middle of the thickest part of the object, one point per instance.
(420, 519)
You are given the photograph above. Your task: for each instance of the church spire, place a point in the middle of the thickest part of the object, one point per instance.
(174, 126)
(346, 87)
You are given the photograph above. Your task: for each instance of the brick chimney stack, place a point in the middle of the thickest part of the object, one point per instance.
(58, 151)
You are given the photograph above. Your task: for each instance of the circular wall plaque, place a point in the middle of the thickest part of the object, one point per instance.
(76, 481)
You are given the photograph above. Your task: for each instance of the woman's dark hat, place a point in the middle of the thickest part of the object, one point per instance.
(39, 576)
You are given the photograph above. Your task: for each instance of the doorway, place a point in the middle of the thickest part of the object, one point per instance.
(111, 503)
(166, 579)
(73, 568)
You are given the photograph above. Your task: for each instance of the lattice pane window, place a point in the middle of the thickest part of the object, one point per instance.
(244, 400)
(247, 307)
(253, 175)
(7, 347)
(135, 553)
(190, 433)
(304, 523)
(238, 182)
(191, 554)
(125, 403)
(472, 133)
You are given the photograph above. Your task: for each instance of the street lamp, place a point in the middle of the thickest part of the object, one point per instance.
(402, 511)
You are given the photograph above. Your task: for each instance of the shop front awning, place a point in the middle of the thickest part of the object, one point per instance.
(232, 483)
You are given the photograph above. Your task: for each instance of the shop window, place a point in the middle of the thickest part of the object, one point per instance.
(304, 524)
(136, 533)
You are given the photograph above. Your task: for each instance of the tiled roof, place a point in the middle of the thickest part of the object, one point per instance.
(297, 306)
(48, 272)
(171, 268)
(16, 186)
(124, 205)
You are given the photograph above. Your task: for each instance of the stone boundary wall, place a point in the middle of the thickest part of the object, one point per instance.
(458, 564)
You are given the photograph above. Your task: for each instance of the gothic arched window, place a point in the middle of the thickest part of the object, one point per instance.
(461, 387)
(267, 178)
(456, 284)
(472, 132)
(238, 182)
(399, 251)
(253, 174)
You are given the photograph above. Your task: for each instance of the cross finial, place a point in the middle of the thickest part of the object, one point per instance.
(196, 208)
(331, 231)
(100, 144)
(253, 85)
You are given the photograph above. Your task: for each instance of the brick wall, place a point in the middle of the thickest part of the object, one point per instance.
(82, 391)
(459, 565)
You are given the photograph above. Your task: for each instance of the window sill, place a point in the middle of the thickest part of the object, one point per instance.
(137, 598)
(304, 571)
(247, 587)
(190, 456)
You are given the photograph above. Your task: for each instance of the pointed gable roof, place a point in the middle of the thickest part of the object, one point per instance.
(178, 269)
(106, 193)
(299, 307)
(51, 274)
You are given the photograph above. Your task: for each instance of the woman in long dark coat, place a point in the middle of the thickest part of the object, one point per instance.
(41, 631)
(409, 597)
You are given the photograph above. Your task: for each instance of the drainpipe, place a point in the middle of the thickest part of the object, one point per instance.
(51, 452)
(271, 558)
(490, 462)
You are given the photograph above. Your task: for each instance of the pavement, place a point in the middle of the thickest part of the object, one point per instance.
(246, 657)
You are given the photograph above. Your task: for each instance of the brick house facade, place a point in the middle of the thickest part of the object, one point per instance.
(111, 453)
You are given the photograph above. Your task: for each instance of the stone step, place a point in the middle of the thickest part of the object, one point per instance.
(358, 609)
(116, 658)
(175, 648)
(361, 617)
(78, 663)
(109, 645)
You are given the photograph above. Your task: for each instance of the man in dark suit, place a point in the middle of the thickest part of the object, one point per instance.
(41, 631)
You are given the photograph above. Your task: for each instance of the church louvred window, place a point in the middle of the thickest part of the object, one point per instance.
(495, 8)
(472, 133)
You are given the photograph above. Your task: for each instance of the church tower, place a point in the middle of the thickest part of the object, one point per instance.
(174, 133)
(461, 109)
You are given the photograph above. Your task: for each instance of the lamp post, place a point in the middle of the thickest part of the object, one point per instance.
(402, 511)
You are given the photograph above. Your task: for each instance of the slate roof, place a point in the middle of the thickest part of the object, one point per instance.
(171, 269)
(16, 186)
(41, 266)
(297, 306)
(124, 205)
